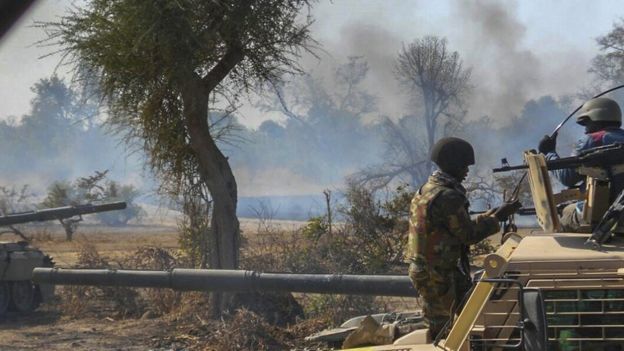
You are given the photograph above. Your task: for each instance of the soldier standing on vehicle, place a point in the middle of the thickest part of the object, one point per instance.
(441, 232)
(602, 119)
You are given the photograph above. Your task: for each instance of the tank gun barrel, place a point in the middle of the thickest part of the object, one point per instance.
(49, 214)
(231, 280)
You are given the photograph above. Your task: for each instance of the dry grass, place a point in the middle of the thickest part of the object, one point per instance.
(112, 243)
(140, 247)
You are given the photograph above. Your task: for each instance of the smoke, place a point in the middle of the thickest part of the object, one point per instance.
(504, 74)
(508, 70)
(276, 181)
(508, 67)
(378, 46)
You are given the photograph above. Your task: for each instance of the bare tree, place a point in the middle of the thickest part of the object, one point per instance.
(609, 65)
(405, 157)
(301, 99)
(437, 83)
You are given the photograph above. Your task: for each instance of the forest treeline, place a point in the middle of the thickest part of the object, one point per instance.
(327, 140)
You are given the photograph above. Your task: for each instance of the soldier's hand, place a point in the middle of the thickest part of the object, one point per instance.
(548, 144)
(507, 209)
(490, 212)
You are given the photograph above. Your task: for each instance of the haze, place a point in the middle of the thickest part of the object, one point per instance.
(518, 50)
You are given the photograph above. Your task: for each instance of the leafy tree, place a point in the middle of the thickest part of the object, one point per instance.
(93, 189)
(113, 191)
(58, 136)
(47, 128)
(158, 65)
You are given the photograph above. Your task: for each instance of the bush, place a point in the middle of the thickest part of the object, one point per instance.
(370, 241)
(117, 301)
(194, 232)
(121, 301)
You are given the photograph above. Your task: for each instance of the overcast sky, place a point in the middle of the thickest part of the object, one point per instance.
(518, 50)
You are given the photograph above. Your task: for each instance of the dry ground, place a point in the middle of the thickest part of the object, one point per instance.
(48, 329)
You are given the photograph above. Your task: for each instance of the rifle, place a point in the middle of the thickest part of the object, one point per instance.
(601, 157)
(59, 213)
(523, 211)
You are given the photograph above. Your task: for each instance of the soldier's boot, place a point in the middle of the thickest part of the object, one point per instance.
(370, 333)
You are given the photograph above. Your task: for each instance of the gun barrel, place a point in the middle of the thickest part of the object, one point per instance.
(523, 211)
(232, 280)
(552, 165)
(49, 214)
(600, 156)
(509, 168)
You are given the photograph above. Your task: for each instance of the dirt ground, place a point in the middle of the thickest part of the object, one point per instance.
(49, 329)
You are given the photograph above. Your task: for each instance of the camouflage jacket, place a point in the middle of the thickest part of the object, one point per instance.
(440, 226)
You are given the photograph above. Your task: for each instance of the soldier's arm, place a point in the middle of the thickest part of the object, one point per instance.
(452, 211)
(569, 176)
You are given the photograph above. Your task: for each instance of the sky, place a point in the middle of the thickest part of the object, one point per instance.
(517, 50)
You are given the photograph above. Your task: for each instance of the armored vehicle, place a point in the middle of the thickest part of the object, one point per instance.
(17, 291)
(547, 290)
(18, 259)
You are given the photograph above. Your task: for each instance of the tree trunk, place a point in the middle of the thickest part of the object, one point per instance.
(215, 171)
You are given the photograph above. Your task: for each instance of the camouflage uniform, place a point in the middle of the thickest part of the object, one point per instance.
(441, 231)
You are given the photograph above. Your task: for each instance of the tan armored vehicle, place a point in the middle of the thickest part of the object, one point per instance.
(548, 290)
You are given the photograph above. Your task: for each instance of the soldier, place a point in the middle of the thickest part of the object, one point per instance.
(602, 119)
(441, 232)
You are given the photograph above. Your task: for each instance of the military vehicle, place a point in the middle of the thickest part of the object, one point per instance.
(547, 290)
(18, 259)
(17, 291)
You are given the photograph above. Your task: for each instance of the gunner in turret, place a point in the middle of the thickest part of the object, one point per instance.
(602, 119)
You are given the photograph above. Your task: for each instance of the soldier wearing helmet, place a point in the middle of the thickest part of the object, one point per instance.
(441, 231)
(602, 119)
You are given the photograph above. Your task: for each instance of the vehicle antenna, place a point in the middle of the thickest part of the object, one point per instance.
(516, 192)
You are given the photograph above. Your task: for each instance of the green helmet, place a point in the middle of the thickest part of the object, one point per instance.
(452, 154)
(600, 110)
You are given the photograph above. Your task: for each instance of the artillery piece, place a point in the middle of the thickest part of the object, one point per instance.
(18, 259)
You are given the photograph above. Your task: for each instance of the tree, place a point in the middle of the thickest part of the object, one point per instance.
(437, 77)
(158, 65)
(324, 130)
(52, 119)
(89, 189)
(609, 66)
(437, 84)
